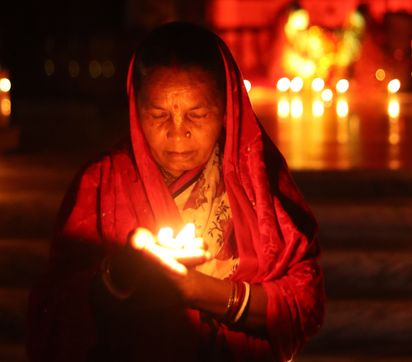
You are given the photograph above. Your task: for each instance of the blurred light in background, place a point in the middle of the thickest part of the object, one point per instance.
(380, 74)
(247, 84)
(5, 85)
(318, 84)
(283, 84)
(393, 107)
(74, 69)
(108, 69)
(5, 107)
(296, 84)
(49, 67)
(296, 107)
(283, 108)
(327, 95)
(95, 69)
(318, 108)
(394, 85)
(342, 108)
(342, 86)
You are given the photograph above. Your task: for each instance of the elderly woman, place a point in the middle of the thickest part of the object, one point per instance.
(196, 154)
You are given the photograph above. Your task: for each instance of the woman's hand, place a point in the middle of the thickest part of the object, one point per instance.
(176, 254)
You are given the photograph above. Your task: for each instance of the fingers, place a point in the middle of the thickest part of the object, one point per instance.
(143, 240)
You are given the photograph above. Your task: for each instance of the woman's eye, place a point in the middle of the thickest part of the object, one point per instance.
(159, 115)
(197, 115)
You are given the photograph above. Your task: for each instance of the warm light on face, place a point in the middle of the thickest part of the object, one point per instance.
(380, 74)
(318, 108)
(327, 95)
(394, 85)
(296, 84)
(342, 108)
(318, 84)
(247, 84)
(283, 84)
(5, 85)
(283, 108)
(342, 86)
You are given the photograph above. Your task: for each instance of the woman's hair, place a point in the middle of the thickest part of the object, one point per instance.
(181, 45)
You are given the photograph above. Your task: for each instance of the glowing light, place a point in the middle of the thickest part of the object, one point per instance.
(5, 85)
(299, 20)
(247, 84)
(308, 68)
(108, 69)
(342, 86)
(283, 84)
(296, 107)
(49, 67)
(95, 69)
(342, 108)
(74, 69)
(393, 108)
(327, 95)
(283, 108)
(394, 85)
(296, 84)
(5, 107)
(318, 84)
(318, 108)
(380, 74)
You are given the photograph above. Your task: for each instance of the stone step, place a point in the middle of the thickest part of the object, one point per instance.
(367, 274)
(354, 184)
(372, 221)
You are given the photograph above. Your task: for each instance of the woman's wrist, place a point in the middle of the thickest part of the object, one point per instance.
(111, 281)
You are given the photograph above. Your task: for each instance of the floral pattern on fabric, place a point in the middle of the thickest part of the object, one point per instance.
(205, 203)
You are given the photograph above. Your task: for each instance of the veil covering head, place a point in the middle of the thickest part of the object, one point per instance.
(256, 213)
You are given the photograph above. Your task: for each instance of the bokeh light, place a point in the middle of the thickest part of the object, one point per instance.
(342, 86)
(318, 84)
(394, 85)
(283, 84)
(296, 84)
(247, 84)
(5, 85)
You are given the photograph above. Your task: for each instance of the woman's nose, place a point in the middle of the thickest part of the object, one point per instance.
(177, 128)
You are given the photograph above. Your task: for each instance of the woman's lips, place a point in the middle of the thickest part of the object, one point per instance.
(179, 155)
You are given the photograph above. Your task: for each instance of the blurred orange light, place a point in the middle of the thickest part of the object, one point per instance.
(342, 85)
(342, 108)
(296, 107)
(95, 69)
(247, 84)
(296, 84)
(74, 69)
(327, 95)
(283, 84)
(5, 107)
(49, 67)
(393, 108)
(394, 85)
(5, 85)
(380, 74)
(318, 108)
(318, 84)
(283, 108)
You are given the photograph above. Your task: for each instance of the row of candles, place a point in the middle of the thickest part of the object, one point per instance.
(290, 104)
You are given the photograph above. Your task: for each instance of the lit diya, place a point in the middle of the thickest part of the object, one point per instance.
(176, 253)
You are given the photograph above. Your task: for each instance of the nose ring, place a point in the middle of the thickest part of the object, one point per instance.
(188, 134)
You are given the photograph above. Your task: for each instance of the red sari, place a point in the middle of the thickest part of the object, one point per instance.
(274, 229)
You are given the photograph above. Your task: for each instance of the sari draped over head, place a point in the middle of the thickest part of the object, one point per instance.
(262, 233)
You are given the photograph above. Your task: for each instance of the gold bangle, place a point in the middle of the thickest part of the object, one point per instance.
(108, 282)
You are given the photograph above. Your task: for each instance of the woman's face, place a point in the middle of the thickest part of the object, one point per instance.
(181, 112)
